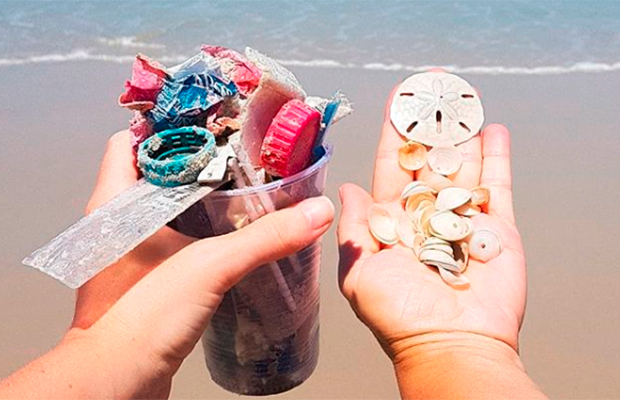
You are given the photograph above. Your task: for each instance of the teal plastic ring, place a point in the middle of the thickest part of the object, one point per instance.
(176, 156)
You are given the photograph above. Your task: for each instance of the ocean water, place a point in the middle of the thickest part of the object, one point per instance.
(477, 37)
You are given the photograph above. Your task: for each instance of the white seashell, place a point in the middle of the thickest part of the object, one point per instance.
(438, 259)
(414, 201)
(427, 210)
(439, 247)
(437, 181)
(467, 210)
(435, 241)
(436, 108)
(412, 156)
(451, 198)
(484, 245)
(405, 231)
(382, 225)
(414, 188)
(417, 243)
(453, 278)
(445, 160)
(480, 195)
(449, 226)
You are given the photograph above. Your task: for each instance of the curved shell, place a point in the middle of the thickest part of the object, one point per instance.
(480, 195)
(446, 248)
(412, 156)
(437, 181)
(461, 254)
(414, 188)
(467, 210)
(445, 160)
(436, 108)
(449, 226)
(484, 245)
(382, 225)
(453, 278)
(413, 202)
(438, 259)
(451, 198)
(418, 240)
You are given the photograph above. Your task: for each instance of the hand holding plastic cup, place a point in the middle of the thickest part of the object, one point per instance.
(256, 344)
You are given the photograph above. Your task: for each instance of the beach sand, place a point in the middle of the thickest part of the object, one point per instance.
(55, 121)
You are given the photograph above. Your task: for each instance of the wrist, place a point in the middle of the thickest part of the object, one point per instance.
(460, 365)
(421, 349)
(124, 367)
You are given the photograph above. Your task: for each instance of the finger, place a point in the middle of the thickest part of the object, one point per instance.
(468, 176)
(355, 242)
(186, 289)
(496, 173)
(272, 237)
(389, 178)
(118, 170)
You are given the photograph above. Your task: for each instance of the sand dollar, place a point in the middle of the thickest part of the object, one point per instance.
(436, 108)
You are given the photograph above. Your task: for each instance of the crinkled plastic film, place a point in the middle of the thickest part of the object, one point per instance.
(113, 230)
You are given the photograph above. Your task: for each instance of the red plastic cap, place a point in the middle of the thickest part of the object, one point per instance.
(287, 147)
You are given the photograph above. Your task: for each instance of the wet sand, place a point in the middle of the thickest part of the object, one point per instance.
(55, 121)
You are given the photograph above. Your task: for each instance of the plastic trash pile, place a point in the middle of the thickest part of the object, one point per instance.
(191, 119)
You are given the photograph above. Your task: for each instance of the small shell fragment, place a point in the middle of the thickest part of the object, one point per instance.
(449, 226)
(412, 156)
(480, 195)
(453, 278)
(484, 245)
(418, 240)
(467, 210)
(451, 198)
(461, 254)
(445, 160)
(382, 225)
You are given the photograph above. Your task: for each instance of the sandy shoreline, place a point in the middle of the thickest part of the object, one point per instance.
(55, 122)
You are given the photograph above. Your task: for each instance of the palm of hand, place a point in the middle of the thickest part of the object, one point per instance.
(399, 297)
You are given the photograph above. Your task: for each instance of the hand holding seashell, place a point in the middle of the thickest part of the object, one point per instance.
(405, 302)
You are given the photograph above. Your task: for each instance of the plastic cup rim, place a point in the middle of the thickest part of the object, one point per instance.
(281, 182)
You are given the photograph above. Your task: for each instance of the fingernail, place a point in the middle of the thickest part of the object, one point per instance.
(318, 210)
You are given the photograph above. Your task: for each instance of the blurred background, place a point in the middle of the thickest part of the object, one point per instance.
(549, 70)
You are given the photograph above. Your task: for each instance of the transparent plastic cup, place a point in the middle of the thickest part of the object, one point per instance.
(263, 339)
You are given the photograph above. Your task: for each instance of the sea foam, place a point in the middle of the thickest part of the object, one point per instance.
(579, 67)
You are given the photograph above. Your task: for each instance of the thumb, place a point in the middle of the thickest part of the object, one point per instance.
(270, 238)
(118, 170)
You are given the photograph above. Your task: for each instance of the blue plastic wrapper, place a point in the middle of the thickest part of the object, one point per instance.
(185, 98)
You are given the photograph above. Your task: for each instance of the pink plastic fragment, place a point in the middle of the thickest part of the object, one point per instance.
(140, 129)
(147, 79)
(243, 73)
